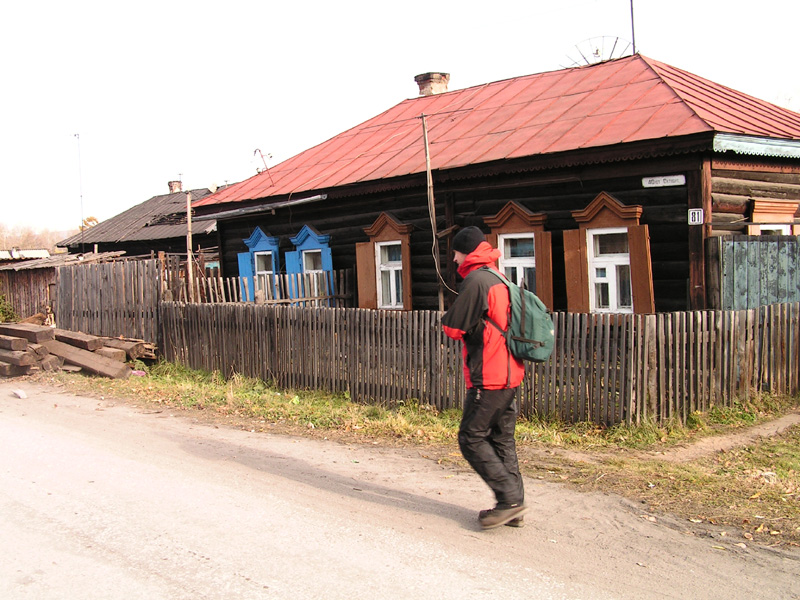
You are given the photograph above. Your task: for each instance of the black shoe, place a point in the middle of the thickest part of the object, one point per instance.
(516, 522)
(500, 516)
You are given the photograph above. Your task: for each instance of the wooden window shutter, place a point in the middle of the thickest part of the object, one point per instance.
(544, 267)
(405, 249)
(577, 270)
(641, 269)
(246, 275)
(365, 275)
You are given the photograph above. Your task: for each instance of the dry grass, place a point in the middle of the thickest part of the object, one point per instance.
(753, 490)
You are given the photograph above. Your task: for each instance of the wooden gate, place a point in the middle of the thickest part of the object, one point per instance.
(110, 299)
(754, 271)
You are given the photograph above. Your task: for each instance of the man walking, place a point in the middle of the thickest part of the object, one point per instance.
(492, 374)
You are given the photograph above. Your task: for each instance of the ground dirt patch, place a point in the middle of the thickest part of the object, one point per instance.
(743, 484)
(739, 482)
(707, 446)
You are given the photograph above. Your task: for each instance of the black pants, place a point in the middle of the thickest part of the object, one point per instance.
(486, 439)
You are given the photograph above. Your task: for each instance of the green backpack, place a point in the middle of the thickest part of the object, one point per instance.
(530, 334)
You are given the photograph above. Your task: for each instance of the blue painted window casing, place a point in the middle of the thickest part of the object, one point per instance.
(312, 254)
(267, 248)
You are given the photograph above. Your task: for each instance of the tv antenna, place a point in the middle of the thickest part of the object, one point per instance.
(598, 49)
(266, 168)
(80, 185)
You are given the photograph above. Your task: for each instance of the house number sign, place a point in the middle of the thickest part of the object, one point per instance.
(696, 216)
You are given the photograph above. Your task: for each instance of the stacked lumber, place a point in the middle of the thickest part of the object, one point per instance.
(133, 348)
(25, 348)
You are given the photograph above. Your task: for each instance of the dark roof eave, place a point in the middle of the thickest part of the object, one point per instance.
(264, 206)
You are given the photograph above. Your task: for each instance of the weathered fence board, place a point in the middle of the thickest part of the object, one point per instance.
(110, 299)
(605, 368)
(757, 270)
(333, 288)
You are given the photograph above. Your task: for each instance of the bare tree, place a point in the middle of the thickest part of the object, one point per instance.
(26, 238)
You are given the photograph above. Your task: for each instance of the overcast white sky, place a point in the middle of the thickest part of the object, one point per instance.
(170, 89)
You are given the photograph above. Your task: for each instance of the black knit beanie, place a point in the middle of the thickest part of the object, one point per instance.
(467, 239)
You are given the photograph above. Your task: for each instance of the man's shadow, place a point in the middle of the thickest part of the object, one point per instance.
(302, 471)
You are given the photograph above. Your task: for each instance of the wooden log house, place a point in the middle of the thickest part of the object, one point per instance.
(600, 184)
(159, 224)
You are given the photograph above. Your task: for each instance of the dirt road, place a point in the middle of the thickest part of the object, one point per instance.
(99, 499)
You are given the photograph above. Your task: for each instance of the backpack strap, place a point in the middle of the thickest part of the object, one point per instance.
(503, 332)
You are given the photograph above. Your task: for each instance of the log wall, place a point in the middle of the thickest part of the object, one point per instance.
(467, 202)
(734, 189)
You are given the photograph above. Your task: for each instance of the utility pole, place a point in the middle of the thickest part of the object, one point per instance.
(189, 261)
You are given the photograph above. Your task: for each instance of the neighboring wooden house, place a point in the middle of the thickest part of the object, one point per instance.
(30, 285)
(157, 225)
(601, 185)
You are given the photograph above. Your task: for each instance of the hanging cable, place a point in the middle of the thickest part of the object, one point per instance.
(432, 216)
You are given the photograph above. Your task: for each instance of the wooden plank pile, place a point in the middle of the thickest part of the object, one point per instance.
(25, 348)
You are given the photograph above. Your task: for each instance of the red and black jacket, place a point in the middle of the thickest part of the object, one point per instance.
(487, 361)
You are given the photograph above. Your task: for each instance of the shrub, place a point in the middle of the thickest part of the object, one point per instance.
(7, 311)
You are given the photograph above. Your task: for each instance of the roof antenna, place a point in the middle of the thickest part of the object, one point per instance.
(257, 151)
(633, 33)
(80, 186)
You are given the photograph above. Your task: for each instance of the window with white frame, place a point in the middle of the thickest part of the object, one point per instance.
(312, 265)
(518, 258)
(263, 269)
(781, 229)
(389, 263)
(312, 261)
(609, 270)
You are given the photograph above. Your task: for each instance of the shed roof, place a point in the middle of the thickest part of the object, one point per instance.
(62, 260)
(23, 254)
(631, 99)
(160, 217)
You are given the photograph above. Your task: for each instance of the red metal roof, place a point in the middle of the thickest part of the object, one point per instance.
(625, 100)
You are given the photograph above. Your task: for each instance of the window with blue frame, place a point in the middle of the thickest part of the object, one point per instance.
(259, 264)
(312, 256)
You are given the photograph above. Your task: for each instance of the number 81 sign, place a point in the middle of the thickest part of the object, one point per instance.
(696, 216)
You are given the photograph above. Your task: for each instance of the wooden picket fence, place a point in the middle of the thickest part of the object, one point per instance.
(299, 289)
(605, 368)
(110, 299)
(332, 288)
(121, 298)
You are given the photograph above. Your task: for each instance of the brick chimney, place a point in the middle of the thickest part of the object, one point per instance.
(432, 83)
(175, 186)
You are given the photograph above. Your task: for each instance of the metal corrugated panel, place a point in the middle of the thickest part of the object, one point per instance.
(627, 100)
(62, 260)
